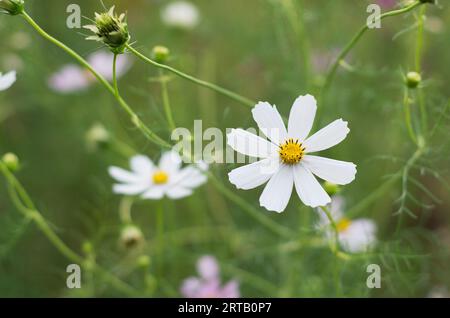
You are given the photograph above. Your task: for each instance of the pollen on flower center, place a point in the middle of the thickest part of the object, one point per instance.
(343, 225)
(160, 177)
(291, 151)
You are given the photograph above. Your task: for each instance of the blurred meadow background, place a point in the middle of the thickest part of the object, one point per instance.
(268, 50)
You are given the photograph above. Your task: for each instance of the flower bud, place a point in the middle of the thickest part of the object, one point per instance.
(11, 161)
(97, 137)
(331, 188)
(110, 29)
(413, 79)
(160, 53)
(131, 237)
(143, 261)
(87, 247)
(12, 7)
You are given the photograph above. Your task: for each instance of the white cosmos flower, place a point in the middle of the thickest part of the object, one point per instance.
(6, 80)
(286, 156)
(354, 236)
(154, 182)
(180, 14)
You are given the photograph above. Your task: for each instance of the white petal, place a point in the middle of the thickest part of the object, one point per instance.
(308, 188)
(189, 177)
(170, 162)
(336, 209)
(178, 192)
(142, 165)
(250, 144)
(122, 175)
(270, 122)
(335, 171)
(130, 189)
(202, 165)
(155, 192)
(252, 175)
(327, 137)
(7, 80)
(301, 118)
(359, 237)
(277, 192)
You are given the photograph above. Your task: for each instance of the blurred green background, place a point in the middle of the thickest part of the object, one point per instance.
(260, 49)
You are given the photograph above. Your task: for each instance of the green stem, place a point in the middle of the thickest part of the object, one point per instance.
(254, 213)
(241, 99)
(135, 119)
(407, 111)
(160, 236)
(116, 87)
(125, 209)
(71, 52)
(418, 60)
(419, 43)
(405, 174)
(24, 205)
(334, 226)
(373, 196)
(166, 101)
(294, 12)
(331, 73)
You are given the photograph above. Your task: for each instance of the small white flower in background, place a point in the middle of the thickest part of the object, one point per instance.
(354, 236)
(6, 80)
(286, 159)
(154, 182)
(208, 285)
(72, 78)
(97, 136)
(439, 292)
(180, 14)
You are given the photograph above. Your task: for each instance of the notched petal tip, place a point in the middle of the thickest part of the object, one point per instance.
(271, 209)
(319, 204)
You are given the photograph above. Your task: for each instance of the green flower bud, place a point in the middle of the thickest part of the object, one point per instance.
(160, 53)
(331, 188)
(87, 247)
(12, 7)
(97, 137)
(110, 29)
(11, 161)
(413, 79)
(131, 237)
(143, 261)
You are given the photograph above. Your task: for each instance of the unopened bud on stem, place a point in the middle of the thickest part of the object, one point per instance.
(413, 79)
(12, 7)
(331, 188)
(131, 236)
(160, 53)
(11, 161)
(110, 29)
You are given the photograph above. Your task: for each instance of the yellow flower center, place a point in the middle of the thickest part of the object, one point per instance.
(291, 151)
(343, 225)
(160, 177)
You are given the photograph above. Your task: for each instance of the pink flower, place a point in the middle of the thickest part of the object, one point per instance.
(208, 284)
(72, 78)
(387, 3)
